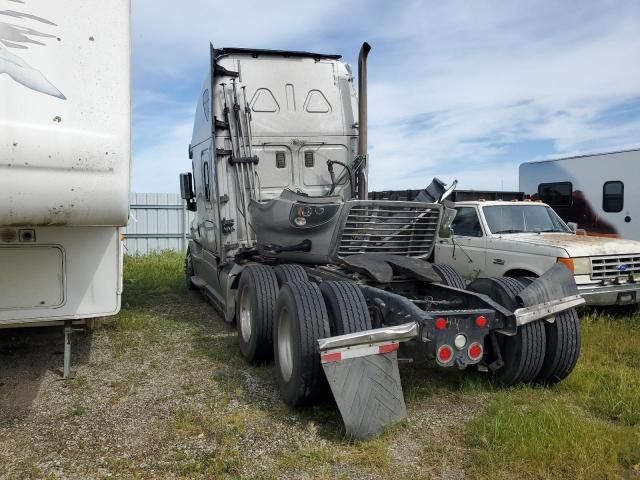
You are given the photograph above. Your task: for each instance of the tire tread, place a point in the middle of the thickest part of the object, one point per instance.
(312, 324)
(351, 307)
(264, 289)
(290, 272)
(524, 353)
(450, 276)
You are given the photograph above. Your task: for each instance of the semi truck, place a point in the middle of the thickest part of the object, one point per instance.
(330, 285)
(64, 160)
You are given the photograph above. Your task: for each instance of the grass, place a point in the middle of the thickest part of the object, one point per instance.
(607, 379)
(527, 434)
(586, 427)
(152, 275)
(76, 411)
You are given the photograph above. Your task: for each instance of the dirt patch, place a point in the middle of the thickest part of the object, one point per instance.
(163, 393)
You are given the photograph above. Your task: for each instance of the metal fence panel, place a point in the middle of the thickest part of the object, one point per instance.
(158, 221)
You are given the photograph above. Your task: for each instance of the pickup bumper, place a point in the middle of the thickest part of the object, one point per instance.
(603, 295)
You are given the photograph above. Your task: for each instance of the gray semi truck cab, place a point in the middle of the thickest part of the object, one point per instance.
(332, 285)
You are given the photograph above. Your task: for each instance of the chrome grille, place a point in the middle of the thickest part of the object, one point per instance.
(399, 228)
(614, 266)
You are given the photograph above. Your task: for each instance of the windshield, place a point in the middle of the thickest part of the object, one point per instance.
(523, 218)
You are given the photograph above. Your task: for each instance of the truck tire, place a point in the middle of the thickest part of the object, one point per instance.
(188, 271)
(563, 344)
(563, 347)
(257, 296)
(450, 277)
(526, 281)
(524, 353)
(301, 319)
(346, 306)
(288, 272)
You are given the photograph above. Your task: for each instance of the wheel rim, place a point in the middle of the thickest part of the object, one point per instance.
(246, 322)
(285, 347)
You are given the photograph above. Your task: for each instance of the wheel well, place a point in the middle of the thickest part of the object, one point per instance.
(520, 272)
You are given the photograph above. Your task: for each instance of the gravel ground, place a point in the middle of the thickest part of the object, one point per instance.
(171, 398)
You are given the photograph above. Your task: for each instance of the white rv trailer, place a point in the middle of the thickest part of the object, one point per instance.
(64, 159)
(595, 191)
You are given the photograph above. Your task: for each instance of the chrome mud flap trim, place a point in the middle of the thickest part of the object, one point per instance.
(546, 310)
(398, 333)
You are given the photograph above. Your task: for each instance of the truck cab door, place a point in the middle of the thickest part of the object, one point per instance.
(465, 250)
(208, 218)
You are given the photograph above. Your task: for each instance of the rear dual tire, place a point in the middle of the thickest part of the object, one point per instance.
(306, 313)
(289, 272)
(346, 306)
(563, 347)
(540, 351)
(563, 344)
(449, 275)
(301, 319)
(257, 296)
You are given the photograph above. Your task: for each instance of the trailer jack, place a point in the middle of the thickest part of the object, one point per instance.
(66, 365)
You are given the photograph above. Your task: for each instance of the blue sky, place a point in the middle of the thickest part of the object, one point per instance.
(462, 90)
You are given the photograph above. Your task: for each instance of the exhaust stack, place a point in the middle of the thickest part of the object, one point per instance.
(362, 120)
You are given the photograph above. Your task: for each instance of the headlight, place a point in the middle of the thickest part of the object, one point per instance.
(577, 266)
(306, 216)
(581, 266)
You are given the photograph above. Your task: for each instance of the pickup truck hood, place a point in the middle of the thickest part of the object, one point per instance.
(577, 245)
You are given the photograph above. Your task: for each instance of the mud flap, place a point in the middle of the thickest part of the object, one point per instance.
(551, 294)
(555, 284)
(365, 382)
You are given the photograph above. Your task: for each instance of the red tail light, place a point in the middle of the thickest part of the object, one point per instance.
(481, 321)
(475, 351)
(441, 323)
(445, 353)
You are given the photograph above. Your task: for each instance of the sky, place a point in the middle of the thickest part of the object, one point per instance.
(458, 89)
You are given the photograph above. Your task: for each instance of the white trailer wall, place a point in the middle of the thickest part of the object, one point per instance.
(64, 112)
(65, 132)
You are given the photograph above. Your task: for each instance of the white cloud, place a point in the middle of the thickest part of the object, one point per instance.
(172, 38)
(454, 86)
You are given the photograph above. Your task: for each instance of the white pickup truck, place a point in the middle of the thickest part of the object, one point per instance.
(525, 239)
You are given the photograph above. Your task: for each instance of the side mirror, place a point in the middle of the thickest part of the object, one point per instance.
(573, 226)
(448, 215)
(186, 191)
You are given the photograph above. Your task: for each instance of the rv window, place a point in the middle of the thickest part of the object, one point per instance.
(466, 223)
(613, 196)
(556, 194)
(206, 181)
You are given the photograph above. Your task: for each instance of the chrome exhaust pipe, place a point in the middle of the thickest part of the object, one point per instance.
(362, 121)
